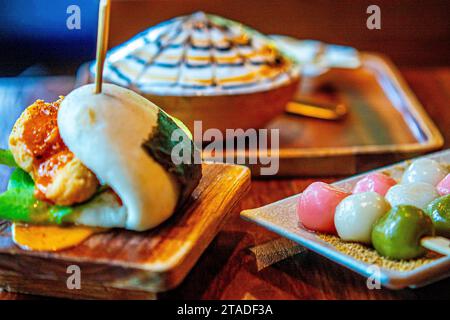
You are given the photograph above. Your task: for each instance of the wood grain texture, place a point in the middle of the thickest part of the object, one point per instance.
(228, 269)
(125, 264)
(413, 32)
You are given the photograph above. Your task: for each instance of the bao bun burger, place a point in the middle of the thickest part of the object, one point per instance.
(205, 67)
(97, 160)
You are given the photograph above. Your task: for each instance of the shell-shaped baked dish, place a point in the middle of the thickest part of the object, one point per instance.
(208, 68)
(199, 54)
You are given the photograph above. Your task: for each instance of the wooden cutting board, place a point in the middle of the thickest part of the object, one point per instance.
(121, 264)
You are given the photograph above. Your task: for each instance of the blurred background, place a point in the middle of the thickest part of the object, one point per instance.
(34, 38)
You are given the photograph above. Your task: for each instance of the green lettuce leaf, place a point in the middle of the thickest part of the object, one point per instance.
(19, 204)
(6, 158)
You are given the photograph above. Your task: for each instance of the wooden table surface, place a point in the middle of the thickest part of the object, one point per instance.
(228, 270)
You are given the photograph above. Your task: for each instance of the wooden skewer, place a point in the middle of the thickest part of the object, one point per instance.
(437, 244)
(102, 42)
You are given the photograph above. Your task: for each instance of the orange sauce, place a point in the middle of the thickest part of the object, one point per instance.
(241, 39)
(198, 58)
(205, 82)
(225, 59)
(50, 238)
(42, 139)
(201, 42)
(242, 78)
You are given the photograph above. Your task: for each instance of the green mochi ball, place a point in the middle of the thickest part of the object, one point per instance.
(397, 234)
(439, 212)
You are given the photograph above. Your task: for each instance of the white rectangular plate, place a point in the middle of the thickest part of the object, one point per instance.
(281, 217)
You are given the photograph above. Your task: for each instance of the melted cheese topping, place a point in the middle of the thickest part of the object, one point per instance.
(199, 54)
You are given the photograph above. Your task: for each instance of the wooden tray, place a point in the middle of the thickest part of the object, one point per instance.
(386, 123)
(281, 217)
(124, 264)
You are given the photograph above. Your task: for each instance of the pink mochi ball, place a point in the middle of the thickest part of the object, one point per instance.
(443, 187)
(375, 182)
(317, 205)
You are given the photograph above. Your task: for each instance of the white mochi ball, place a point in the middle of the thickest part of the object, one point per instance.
(418, 194)
(356, 215)
(424, 170)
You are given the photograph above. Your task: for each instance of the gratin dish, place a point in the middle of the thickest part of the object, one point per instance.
(208, 68)
(281, 217)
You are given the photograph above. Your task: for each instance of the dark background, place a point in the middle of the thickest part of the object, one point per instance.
(34, 33)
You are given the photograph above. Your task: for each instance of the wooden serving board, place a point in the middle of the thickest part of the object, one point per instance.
(121, 264)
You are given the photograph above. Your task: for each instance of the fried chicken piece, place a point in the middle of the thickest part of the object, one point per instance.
(38, 149)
